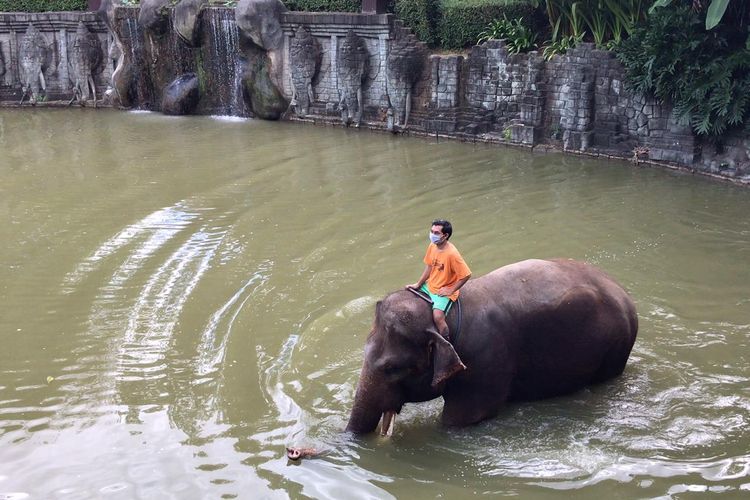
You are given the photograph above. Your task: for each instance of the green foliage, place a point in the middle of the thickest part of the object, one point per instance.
(323, 5)
(599, 20)
(560, 46)
(42, 5)
(518, 38)
(463, 21)
(714, 14)
(704, 74)
(422, 16)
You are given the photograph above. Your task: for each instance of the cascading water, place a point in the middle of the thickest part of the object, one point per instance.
(134, 42)
(221, 62)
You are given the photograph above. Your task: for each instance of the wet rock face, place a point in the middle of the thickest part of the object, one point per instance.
(181, 96)
(266, 101)
(260, 20)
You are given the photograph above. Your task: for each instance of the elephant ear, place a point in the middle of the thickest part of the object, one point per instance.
(445, 360)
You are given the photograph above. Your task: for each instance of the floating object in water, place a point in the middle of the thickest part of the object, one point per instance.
(300, 453)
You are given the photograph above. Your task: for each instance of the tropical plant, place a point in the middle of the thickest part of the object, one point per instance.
(714, 14)
(518, 38)
(560, 46)
(704, 74)
(601, 20)
(462, 21)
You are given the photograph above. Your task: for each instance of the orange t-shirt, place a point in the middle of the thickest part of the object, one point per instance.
(448, 267)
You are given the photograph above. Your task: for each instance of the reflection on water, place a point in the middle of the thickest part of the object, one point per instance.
(184, 297)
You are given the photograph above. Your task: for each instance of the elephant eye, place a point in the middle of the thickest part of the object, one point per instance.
(394, 371)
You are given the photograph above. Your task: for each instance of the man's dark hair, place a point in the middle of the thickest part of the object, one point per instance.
(447, 228)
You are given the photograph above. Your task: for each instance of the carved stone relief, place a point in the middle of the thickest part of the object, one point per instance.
(353, 64)
(34, 58)
(304, 58)
(85, 61)
(404, 68)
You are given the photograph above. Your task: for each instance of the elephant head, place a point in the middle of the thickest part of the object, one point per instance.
(405, 360)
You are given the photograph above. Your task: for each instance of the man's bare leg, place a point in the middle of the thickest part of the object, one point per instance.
(438, 317)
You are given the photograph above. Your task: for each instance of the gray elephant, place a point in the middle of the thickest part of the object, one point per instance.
(529, 330)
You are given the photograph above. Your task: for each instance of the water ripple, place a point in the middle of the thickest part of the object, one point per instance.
(160, 227)
(153, 318)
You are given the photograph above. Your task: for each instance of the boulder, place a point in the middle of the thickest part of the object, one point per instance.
(260, 20)
(265, 99)
(185, 19)
(154, 16)
(181, 96)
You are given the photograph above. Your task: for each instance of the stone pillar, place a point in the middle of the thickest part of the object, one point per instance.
(528, 128)
(577, 95)
(445, 72)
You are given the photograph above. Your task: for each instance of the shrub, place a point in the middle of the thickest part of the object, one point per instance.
(42, 5)
(463, 21)
(517, 36)
(323, 5)
(422, 16)
(704, 74)
(561, 46)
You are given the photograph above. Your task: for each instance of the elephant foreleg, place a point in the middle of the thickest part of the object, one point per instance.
(93, 88)
(470, 402)
(408, 108)
(75, 95)
(358, 116)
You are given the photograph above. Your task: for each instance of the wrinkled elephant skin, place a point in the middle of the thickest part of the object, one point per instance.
(529, 330)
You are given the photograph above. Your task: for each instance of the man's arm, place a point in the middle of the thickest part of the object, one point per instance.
(447, 291)
(422, 279)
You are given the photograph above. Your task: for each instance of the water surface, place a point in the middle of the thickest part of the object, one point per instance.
(181, 298)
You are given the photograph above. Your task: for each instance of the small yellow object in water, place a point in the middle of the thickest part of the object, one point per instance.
(50, 378)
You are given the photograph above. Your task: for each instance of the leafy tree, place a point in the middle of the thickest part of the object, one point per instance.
(705, 74)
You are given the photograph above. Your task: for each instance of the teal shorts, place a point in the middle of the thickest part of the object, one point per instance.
(438, 301)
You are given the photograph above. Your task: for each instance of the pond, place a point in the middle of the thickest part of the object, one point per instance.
(181, 298)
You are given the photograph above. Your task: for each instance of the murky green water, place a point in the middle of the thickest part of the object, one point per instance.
(180, 298)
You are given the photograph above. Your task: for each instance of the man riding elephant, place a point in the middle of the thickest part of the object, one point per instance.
(444, 274)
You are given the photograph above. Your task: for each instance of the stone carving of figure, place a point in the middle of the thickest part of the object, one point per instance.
(34, 55)
(304, 56)
(85, 60)
(404, 67)
(353, 62)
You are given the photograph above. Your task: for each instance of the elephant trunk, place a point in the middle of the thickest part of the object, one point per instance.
(366, 411)
(364, 418)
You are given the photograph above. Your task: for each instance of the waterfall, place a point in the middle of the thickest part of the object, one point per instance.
(221, 62)
(134, 45)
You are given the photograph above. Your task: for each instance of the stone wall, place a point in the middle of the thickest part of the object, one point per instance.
(54, 45)
(356, 70)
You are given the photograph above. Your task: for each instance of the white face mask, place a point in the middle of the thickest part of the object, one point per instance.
(435, 238)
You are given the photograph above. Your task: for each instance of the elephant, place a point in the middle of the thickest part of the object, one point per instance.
(529, 330)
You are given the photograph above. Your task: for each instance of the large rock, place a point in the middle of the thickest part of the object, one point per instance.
(154, 16)
(106, 11)
(181, 96)
(266, 100)
(185, 19)
(260, 20)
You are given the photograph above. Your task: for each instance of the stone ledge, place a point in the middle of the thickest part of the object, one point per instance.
(346, 18)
